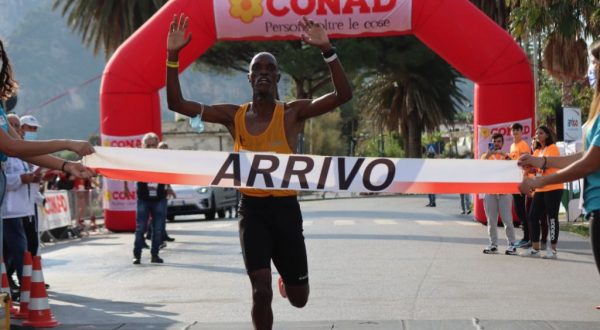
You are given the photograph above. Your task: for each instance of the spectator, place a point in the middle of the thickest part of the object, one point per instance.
(580, 165)
(431, 196)
(17, 208)
(151, 202)
(517, 148)
(465, 199)
(498, 203)
(546, 199)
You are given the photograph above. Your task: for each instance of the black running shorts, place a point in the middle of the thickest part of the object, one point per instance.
(271, 229)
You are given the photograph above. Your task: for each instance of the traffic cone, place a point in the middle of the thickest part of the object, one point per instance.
(39, 310)
(5, 288)
(25, 287)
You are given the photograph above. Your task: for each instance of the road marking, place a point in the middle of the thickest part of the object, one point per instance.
(221, 225)
(344, 222)
(385, 222)
(307, 223)
(467, 223)
(428, 223)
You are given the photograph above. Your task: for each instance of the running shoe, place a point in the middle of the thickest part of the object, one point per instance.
(531, 252)
(511, 250)
(550, 254)
(490, 249)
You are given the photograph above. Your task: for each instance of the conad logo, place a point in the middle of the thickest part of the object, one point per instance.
(247, 10)
(56, 204)
(119, 196)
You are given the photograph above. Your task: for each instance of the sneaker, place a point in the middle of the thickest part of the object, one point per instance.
(145, 246)
(469, 212)
(511, 250)
(463, 212)
(550, 254)
(169, 239)
(162, 245)
(156, 260)
(491, 249)
(531, 252)
(521, 243)
(137, 261)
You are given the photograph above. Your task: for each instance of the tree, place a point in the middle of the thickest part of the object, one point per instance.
(564, 26)
(105, 24)
(409, 89)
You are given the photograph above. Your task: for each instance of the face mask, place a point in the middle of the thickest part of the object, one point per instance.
(30, 136)
(592, 75)
(197, 124)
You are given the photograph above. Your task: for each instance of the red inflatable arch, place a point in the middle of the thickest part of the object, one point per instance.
(454, 29)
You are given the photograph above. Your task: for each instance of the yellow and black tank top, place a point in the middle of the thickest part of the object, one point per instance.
(273, 139)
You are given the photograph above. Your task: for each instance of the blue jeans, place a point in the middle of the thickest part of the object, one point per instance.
(146, 208)
(15, 245)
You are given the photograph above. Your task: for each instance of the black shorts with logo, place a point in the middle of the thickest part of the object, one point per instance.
(271, 229)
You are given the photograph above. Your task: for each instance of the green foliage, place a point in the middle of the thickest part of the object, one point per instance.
(323, 135)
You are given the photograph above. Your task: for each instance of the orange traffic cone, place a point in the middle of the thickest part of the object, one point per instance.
(39, 309)
(5, 288)
(25, 287)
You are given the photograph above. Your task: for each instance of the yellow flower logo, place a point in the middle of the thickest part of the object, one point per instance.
(485, 133)
(246, 10)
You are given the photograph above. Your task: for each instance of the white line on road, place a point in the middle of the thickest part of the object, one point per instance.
(221, 225)
(385, 222)
(344, 222)
(307, 223)
(428, 223)
(468, 223)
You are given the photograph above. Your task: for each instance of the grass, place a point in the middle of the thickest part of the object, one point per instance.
(579, 228)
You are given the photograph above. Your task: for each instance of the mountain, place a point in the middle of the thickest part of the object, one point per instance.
(60, 78)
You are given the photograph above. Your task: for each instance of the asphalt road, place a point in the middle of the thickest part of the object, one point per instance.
(375, 263)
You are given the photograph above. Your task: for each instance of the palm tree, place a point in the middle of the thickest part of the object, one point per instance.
(563, 26)
(105, 24)
(410, 90)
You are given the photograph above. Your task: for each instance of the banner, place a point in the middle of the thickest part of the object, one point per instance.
(306, 172)
(257, 19)
(486, 132)
(571, 124)
(113, 190)
(56, 212)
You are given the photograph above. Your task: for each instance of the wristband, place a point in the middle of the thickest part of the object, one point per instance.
(62, 168)
(173, 65)
(331, 58)
(329, 55)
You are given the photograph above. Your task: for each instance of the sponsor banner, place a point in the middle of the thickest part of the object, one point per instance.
(306, 172)
(263, 19)
(113, 190)
(56, 212)
(486, 132)
(572, 124)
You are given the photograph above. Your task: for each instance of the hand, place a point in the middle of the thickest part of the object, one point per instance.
(176, 40)
(529, 184)
(528, 160)
(82, 148)
(315, 34)
(79, 170)
(27, 178)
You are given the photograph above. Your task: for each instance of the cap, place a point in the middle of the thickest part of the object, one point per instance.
(30, 121)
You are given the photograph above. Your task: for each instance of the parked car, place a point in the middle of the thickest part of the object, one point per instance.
(210, 201)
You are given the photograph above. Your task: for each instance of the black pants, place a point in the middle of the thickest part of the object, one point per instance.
(522, 214)
(594, 217)
(548, 202)
(31, 232)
